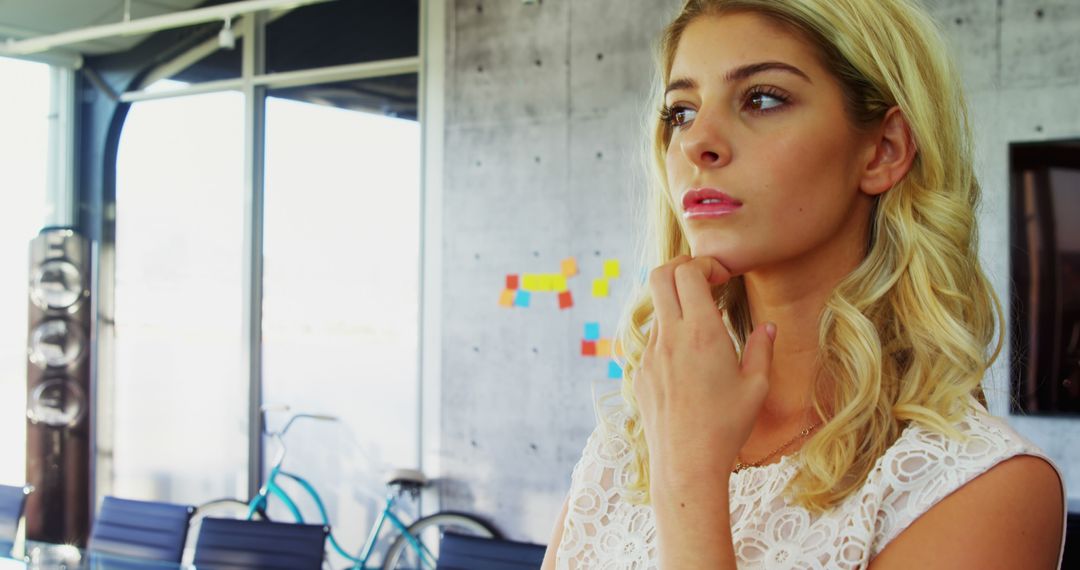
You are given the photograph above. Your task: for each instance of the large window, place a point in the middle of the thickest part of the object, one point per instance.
(24, 116)
(341, 278)
(180, 387)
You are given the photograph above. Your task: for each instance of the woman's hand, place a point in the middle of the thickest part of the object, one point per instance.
(697, 403)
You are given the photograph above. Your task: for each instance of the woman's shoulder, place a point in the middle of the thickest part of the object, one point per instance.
(923, 452)
(608, 444)
(925, 465)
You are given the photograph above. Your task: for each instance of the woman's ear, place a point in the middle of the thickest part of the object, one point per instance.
(892, 151)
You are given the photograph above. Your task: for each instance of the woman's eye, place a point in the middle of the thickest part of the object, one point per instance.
(759, 101)
(676, 116)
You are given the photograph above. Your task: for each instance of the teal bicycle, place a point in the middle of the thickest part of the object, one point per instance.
(414, 546)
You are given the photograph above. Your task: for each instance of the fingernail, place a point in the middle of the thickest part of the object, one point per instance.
(770, 329)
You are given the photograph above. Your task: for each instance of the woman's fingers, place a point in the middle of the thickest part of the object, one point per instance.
(694, 281)
(757, 358)
(664, 296)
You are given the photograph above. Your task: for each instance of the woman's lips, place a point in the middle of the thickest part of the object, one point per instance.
(708, 203)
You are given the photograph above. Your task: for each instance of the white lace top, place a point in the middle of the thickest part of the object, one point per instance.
(602, 531)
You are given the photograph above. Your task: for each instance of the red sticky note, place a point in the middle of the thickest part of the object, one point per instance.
(511, 281)
(588, 348)
(566, 300)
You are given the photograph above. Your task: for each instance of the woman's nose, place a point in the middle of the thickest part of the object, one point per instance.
(705, 143)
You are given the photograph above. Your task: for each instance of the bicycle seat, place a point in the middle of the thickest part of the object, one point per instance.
(406, 478)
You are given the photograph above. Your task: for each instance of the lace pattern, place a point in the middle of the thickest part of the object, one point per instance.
(604, 531)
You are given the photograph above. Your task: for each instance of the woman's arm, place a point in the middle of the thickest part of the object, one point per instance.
(556, 538)
(693, 524)
(698, 401)
(1008, 517)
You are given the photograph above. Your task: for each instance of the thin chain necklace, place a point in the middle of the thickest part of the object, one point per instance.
(739, 465)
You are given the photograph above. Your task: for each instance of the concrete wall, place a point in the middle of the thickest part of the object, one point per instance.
(543, 107)
(1020, 61)
(542, 162)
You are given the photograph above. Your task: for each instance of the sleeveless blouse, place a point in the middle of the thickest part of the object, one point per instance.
(602, 531)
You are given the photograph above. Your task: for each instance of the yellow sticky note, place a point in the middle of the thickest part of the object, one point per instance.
(558, 283)
(507, 298)
(618, 348)
(599, 287)
(611, 268)
(530, 282)
(547, 282)
(603, 347)
(569, 267)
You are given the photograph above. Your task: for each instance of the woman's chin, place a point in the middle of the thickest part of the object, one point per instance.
(731, 262)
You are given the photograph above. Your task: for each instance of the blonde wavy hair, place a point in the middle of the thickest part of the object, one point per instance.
(905, 337)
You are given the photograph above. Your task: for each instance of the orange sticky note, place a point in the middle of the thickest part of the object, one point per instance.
(588, 348)
(566, 300)
(618, 348)
(507, 298)
(569, 267)
(600, 287)
(603, 347)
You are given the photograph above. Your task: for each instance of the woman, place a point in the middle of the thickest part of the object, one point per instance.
(807, 393)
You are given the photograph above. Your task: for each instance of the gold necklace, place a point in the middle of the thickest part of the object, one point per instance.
(739, 465)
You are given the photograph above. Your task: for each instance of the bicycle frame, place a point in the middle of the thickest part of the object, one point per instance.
(271, 487)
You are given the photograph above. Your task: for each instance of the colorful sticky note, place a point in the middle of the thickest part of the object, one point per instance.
(611, 268)
(511, 281)
(546, 283)
(507, 298)
(522, 298)
(592, 331)
(565, 300)
(588, 348)
(614, 370)
(618, 348)
(569, 267)
(531, 282)
(558, 282)
(600, 287)
(603, 347)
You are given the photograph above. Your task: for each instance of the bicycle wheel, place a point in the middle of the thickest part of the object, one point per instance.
(429, 530)
(220, 508)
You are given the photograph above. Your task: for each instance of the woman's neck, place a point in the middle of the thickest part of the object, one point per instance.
(793, 299)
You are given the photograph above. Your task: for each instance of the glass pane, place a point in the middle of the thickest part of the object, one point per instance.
(24, 151)
(339, 33)
(340, 299)
(181, 393)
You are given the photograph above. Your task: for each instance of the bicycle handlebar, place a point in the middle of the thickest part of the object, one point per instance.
(293, 418)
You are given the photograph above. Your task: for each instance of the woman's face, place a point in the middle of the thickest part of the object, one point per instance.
(774, 138)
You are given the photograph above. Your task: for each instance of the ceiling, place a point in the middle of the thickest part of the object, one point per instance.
(320, 35)
(21, 19)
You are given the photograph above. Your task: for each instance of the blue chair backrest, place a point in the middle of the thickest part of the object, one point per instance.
(462, 552)
(239, 544)
(12, 503)
(145, 530)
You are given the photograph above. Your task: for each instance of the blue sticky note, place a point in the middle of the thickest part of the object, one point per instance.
(522, 298)
(592, 331)
(614, 371)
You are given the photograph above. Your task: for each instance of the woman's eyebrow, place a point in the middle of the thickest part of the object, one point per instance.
(740, 73)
